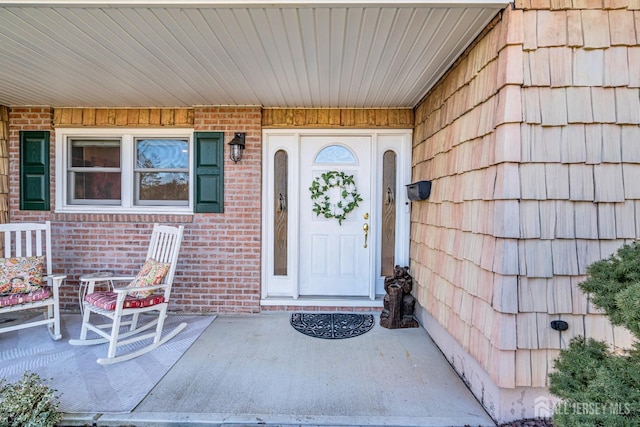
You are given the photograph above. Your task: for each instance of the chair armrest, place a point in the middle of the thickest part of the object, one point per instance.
(127, 290)
(107, 279)
(89, 281)
(55, 280)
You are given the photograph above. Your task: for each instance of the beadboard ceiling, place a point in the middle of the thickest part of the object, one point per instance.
(330, 54)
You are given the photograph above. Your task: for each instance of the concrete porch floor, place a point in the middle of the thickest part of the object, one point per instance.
(258, 370)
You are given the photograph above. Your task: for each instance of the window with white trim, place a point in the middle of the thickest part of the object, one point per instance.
(116, 170)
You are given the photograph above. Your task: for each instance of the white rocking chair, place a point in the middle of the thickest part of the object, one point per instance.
(24, 241)
(148, 292)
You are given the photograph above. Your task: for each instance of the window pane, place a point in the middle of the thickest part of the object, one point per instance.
(280, 217)
(95, 153)
(95, 186)
(163, 186)
(335, 154)
(162, 154)
(94, 171)
(389, 191)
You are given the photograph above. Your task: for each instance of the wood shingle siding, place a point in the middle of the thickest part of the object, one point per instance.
(603, 103)
(631, 177)
(606, 221)
(587, 227)
(557, 181)
(556, 191)
(579, 105)
(124, 117)
(551, 28)
(553, 106)
(337, 117)
(560, 66)
(588, 67)
(630, 144)
(581, 185)
(627, 106)
(633, 55)
(625, 220)
(596, 22)
(559, 296)
(608, 183)
(616, 69)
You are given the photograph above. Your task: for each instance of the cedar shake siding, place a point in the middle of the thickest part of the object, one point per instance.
(532, 141)
(325, 118)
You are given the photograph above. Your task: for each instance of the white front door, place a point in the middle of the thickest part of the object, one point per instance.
(335, 257)
(310, 260)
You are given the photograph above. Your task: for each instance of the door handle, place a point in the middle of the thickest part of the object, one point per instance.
(282, 203)
(365, 228)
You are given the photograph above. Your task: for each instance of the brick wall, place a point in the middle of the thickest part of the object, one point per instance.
(532, 143)
(229, 245)
(4, 164)
(26, 118)
(219, 264)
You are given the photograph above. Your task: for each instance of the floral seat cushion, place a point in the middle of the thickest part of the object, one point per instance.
(107, 300)
(22, 298)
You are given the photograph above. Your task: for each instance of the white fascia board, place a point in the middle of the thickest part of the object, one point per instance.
(254, 3)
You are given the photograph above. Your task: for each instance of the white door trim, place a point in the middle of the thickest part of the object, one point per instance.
(284, 290)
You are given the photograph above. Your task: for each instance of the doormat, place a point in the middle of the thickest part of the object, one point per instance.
(332, 326)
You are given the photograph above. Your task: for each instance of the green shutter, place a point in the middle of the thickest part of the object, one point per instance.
(209, 168)
(34, 170)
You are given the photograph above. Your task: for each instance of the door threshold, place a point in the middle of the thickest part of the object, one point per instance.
(320, 301)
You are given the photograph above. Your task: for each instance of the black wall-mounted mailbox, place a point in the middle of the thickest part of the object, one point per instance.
(419, 190)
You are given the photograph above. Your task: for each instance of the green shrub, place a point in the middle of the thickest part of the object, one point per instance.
(28, 402)
(614, 286)
(597, 386)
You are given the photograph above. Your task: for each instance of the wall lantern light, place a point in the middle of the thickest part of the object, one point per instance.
(559, 325)
(236, 146)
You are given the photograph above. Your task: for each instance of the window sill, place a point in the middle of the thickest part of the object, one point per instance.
(124, 215)
(115, 210)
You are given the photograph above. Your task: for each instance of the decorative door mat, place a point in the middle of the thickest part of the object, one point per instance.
(332, 326)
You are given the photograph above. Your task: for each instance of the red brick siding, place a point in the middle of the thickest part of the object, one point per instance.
(219, 265)
(26, 118)
(4, 164)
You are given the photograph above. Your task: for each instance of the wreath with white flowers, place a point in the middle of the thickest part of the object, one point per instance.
(334, 195)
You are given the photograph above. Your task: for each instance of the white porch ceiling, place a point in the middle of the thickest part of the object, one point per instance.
(331, 54)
